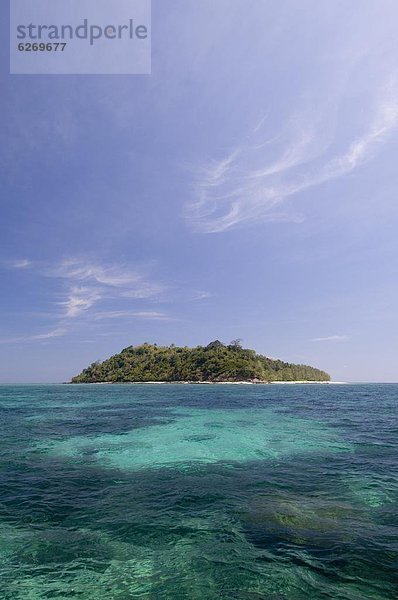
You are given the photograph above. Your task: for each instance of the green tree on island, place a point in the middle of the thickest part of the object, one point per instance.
(215, 362)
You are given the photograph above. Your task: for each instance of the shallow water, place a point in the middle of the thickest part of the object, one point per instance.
(199, 492)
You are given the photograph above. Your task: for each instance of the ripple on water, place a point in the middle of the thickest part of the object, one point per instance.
(230, 436)
(205, 493)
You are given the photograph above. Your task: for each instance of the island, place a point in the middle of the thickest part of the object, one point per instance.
(214, 363)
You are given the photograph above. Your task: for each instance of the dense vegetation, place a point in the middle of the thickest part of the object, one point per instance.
(215, 362)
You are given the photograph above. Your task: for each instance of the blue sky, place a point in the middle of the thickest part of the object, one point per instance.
(247, 188)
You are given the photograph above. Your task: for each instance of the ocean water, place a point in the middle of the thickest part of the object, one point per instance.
(199, 492)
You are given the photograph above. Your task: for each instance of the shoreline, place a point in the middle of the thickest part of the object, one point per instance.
(208, 383)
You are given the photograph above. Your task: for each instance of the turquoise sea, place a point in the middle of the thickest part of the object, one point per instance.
(199, 492)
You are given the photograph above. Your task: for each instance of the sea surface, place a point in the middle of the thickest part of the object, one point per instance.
(199, 492)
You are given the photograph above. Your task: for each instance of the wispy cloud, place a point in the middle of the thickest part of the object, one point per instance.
(81, 287)
(124, 314)
(89, 283)
(254, 180)
(201, 295)
(144, 290)
(59, 332)
(23, 263)
(54, 333)
(79, 300)
(109, 275)
(331, 338)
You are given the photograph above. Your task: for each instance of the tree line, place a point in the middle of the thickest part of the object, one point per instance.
(215, 362)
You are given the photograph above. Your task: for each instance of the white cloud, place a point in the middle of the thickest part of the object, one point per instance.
(143, 289)
(23, 263)
(100, 282)
(331, 338)
(202, 295)
(123, 314)
(88, 283)
(58, 332)
(79, 300)
(112, 275)
(253, 181)
(82, 285)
